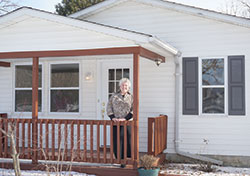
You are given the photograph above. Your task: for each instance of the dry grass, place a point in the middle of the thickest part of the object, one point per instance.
(148, 162)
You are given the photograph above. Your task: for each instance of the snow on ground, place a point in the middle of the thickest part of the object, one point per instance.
(177, 169)
(194, 170)
(10, 172)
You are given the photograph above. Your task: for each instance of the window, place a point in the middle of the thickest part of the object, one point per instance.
(64, 88)
(213, 86)
(23, 88)
(220, 89)
(115, 75)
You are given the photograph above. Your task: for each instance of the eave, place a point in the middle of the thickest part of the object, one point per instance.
(87, 52)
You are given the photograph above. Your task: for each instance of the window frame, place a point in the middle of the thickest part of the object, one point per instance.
(115, 81)
(14, 88)
(64, 88)
(225, 86)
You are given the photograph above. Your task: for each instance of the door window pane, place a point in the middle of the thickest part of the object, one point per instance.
(119, 74)
(64, 101)
(110, 96)
(126, 73)
(111, 87)
(65, 75)
(117, 87)
(213, 100)
(213, 71)
(23, 100)
(111, 74)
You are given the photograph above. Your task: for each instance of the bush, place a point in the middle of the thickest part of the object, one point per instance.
(148, 162)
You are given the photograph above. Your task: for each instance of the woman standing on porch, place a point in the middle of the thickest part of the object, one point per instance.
(120, 108)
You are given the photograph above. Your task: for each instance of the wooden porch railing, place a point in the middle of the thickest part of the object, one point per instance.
(68, 140)
(157, 134)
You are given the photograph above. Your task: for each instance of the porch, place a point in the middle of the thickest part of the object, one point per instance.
(70, 140)
(78, 141)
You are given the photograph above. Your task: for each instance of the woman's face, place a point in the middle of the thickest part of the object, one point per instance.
(124, 88)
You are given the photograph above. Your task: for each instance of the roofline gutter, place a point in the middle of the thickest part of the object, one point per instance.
(178, 75)
(158, 43)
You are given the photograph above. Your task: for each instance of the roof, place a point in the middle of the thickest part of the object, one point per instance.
(205, 13)
(87, 21)
(138, 38)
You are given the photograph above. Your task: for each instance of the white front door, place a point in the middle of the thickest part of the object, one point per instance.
(110, 73)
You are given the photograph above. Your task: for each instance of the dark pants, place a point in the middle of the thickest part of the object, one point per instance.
(122, 141)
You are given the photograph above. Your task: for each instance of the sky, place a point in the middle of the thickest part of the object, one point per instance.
(49, 5)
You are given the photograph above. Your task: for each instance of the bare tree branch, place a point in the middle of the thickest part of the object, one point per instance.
(7, 5)
(10, 133)
(246, 4)
(237, 7)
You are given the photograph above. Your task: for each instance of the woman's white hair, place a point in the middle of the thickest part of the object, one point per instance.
(125, 80)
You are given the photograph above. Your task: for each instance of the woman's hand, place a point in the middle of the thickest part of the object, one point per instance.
(118, 119)
(115, 119)
(122, 119)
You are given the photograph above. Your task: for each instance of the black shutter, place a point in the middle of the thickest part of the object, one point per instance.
(190, 86)
(236, 85)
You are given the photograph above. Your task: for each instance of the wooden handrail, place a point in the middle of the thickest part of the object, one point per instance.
(68, 140)
(157, 134)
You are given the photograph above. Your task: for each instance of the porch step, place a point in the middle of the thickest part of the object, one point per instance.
(96, 170)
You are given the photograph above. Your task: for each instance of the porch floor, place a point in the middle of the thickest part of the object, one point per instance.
(71, 155)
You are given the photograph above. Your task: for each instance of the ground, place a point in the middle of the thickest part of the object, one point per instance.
(167, 169)
(10, 172)
(196, 169)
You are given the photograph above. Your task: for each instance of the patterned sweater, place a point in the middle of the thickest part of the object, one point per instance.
(120, 106)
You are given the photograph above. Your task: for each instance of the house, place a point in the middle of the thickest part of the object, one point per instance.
(200, 83)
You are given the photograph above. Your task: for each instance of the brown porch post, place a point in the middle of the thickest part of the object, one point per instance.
(136, 105)
(35, 69)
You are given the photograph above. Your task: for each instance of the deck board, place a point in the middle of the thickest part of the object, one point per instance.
(82, 156)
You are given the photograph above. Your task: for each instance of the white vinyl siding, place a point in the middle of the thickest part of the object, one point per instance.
(49, 35)
(157, 94)
(6, 89)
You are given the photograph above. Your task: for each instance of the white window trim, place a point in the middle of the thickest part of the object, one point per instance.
(14, 89)
(215, 86)
(64, 88)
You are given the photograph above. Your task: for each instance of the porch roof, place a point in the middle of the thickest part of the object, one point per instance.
(179, 7)
(32, 30)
